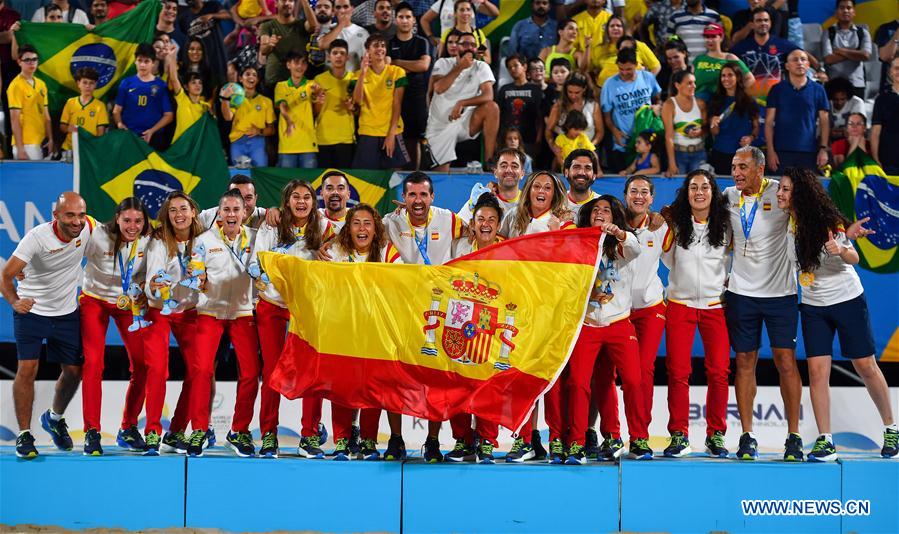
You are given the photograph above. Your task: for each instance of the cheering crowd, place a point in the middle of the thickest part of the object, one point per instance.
(651, 86)
(733, 256)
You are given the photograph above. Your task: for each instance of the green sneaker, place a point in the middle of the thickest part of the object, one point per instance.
(342, 450)
(311, 447)
(520, 452)
(576, 455)
(152, 440)
(175, 442)
(823, 451)
(461, 452)
(369, 450)
(269, 445)
(640, 450)
(678, 447)
(714, 445)
(890, 443)
(556, 452)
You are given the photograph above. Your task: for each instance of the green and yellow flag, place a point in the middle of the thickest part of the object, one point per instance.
(115, 166)
(861, 189)
(108, 49)
(370, 187)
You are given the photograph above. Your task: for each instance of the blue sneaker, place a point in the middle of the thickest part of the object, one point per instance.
(25, 446)
(591, 444)
(396, 449)
(153, 440)
(342, 450)
(432, 454)
(748, 449)
(576, 455)
(610, 450)
(714, 445)
(269, 447)
(92, 443)
(310, 447)
(196, 443)
(823, 451)
(520, 452)
(556, 452)
(241, 443)
(485, 453)
(369, 450)
(175, 442)
(322, 433)
(640, 449)
(678, 447)
(131, 440)
(58, 430)
(793, 448)
(210, 438)
(890, 443)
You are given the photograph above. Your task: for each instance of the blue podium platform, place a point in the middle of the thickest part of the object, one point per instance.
(219, 490)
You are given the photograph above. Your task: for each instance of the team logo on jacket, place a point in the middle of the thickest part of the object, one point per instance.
(766, 206)
(471, 322)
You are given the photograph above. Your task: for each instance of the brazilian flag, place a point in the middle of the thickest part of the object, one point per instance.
(861, 189)
(115, 166)
(369, 187)
(108, 49)
(645, 120)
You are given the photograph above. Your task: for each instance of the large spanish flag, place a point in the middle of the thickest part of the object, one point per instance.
(485, 334)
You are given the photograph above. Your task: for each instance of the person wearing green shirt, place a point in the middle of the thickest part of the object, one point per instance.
(707, 67)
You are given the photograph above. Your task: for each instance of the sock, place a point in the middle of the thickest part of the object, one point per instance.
(55, 416)
(25, 431)
(892, 427)
(828, 437)
(752, 435)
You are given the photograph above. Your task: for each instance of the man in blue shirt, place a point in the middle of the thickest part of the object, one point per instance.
(621, 97)
(763, 53)
(142, 103)
(533, 34)
(794, 106)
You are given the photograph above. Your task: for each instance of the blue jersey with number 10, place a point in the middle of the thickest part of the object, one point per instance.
(143, 103)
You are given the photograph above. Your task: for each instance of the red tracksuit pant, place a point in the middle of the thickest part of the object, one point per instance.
(555, 408)
(156, 348)
(95, 315)
(272, 321)
(649, 323)
(682, 324)
(342, 421)
(242, 332)
(487, 430)
(620, 343)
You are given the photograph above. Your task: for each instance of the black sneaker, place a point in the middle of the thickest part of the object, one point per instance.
(462, 452)
(369, 450)
(241, 443)
(269, 447)
(748, 448)
(175, 442)
(25, 446)
(92, 443)
(152, 439)
(131, 440)
(537, 444)
(556, 452)
(485, 453)
(714, 445)
(793, 448)
(610, 450)
(890, 443)
(322, 433)
(576, 455)
(432, 454)
(639, 449)
(591, 444)
(58, 430)
(210, 438)
(342, 450)
(520, 452)
(396, 449)
(355, 444)
(196, 443)
(823, 451)
(310, 447)
(678, 447)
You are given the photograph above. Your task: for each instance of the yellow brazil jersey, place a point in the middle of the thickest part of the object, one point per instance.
(298, 99)
(187, 113)
(31, 99)
(569, 145)
(377, 106)
(256, 111)
(335, 124)
(646, 59)
(89, 116)
(480, 38)
(592, 27)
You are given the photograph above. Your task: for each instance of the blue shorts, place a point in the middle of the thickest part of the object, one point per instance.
(849, 319)
(62, 333)
(745, 315)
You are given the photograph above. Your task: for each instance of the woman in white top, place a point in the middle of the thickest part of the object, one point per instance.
(362, 239)
(300, 232)
(167, 257)
(447, 11)
(115, 263)
(575, 96)
(542, 208)
(684, 118)
(833, 301)
(697, 252)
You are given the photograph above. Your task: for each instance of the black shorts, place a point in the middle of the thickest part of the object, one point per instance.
(415, 116)
(370, 155)
(62, 334)
(849, 320)
(745, 315)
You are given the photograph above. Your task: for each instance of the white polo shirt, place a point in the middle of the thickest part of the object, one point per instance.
(102, 272)
(53, 268)
(176, 266)
(437, 235)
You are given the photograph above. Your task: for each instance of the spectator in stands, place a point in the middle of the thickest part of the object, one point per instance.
(572, 138)
(743, 25)
(842, 104)
(520, 104)
(856, 129)
(707, 66)
(297, 146)
(566, 47)
(383, 24)
(378, 93)
(559, 72)
(533, 34)
(69, 12)
(764, 53)
(53, 14)
(733, 118)
(324, 12)
(282, 34)
(29, 116)
(464, 22)
(689, 22)
(675, 60)
(99, 12)
(575, 97)
(510, 137)
(646, 59)
(246, 14)
(166, 23)
(885, 121)
(537, 71)
(462, 105)
(845, 47)
(335, 127)
(8, 67)
(657, 16)
(142, 103)
(794, 107)
(202, 20)
(412, 53)
(592, 25)
(345, 29)
(446, 10)
(195, 63)
(685, 122)
(189, 102)
(887, 40)
(251, 122)
(363, 13)
(622, 95)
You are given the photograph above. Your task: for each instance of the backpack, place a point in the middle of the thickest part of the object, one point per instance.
(859, 32)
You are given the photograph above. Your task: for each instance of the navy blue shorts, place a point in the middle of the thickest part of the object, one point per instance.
(62, 334)
(745, 316)
(849, 319)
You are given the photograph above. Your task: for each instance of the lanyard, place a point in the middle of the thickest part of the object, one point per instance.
(747, 222)
(127, 271)
(422, 244)
(244, 248)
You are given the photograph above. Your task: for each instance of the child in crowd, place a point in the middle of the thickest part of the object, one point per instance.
(142, 103)
(190, 103)
(252, 120)
(559, 72)
(297, 146)
(537, 72)
(646, 162)
(510, 137)
(573, 138)
(83, 110)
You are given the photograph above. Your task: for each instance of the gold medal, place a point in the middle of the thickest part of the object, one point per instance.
(260, 285)
(806, 278)
(123, 302)
(606, 298)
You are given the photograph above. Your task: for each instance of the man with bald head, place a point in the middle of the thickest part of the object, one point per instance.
(45, 309)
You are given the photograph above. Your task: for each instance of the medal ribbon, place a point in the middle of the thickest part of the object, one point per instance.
(747, 222)
(127, 271)
(422, 244)
(244, 242)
